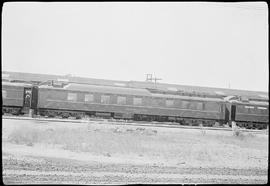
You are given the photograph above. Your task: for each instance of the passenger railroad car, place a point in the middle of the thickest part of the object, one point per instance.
(16, 97)
(252, 114)
(128, 103)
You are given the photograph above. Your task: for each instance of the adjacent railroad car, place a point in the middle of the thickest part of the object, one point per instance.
(252, 114)
(16, 97)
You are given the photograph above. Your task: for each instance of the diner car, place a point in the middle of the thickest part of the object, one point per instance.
(79, 100)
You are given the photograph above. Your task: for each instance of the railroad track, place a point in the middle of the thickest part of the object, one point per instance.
(137, 123)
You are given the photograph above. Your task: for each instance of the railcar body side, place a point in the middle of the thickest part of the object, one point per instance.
(16, 97)
(251, 114)
(128, 103)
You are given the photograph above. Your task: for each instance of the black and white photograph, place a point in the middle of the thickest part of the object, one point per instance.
(119, 93)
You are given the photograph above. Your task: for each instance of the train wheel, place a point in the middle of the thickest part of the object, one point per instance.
(15, 112)
(217, 124)
(50, 114)
(64, 115)
(79, 116)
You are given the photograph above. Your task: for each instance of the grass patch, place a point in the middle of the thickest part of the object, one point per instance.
(181, 145)
(84, 139)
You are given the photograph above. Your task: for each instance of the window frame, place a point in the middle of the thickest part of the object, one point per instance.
(89, 95)
(185, 104)
(137, 98)
(107, 101)
(171, 101)
(262, 110)
(216, 105)
(158, 102)
(120, 102)
(73, 94)
(4, 93)
(199, 105)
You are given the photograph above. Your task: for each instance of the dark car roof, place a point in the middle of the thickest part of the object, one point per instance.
(104, 89)
(187, 97)
(258, 103)
(4, 83)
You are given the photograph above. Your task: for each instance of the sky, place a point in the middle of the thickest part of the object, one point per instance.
(223, 45)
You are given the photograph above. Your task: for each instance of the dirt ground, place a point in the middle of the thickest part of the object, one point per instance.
(94, 153)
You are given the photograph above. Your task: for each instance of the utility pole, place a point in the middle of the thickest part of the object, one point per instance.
(157, 79)
(149, 77)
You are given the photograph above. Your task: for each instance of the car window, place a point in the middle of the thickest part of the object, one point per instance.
(105, 99)
(89, 98)
(72, 97)
(121, 100)
(137, 101)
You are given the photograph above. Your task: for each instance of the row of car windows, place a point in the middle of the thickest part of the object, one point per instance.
(155, 102)
(105, 99)
(122, 100)
(251, 109)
